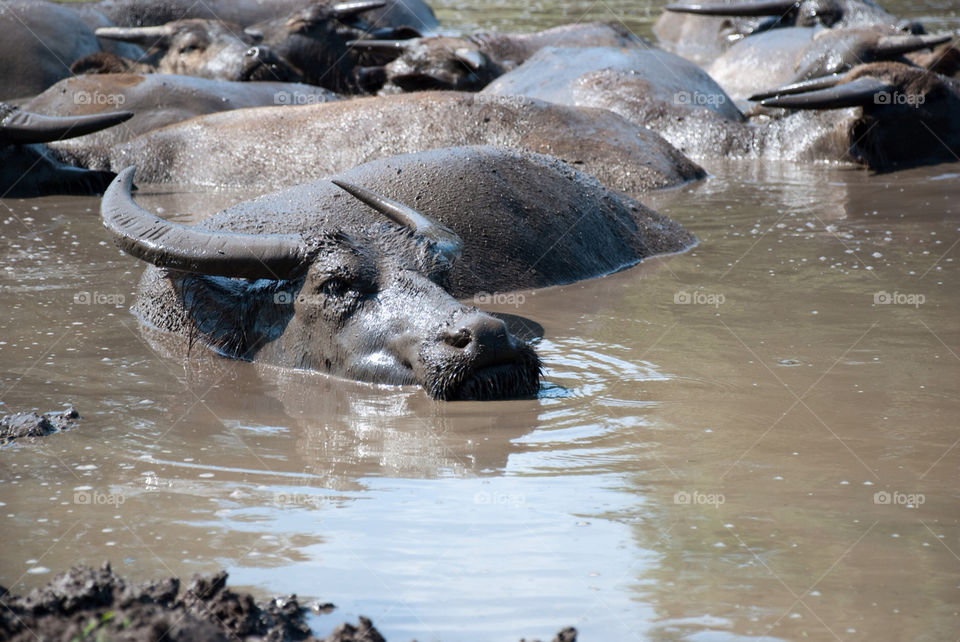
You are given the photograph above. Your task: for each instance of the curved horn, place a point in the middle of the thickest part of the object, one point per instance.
(171, 245)
(446, 240)
(24, 127)
(144, 36)
(759, 8)
(355, 7)
(852, 94)
(890, 46)
(799, 87)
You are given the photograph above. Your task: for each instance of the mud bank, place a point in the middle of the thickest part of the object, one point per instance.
(96, 604)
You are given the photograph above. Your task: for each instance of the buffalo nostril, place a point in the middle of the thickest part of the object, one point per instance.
(460, 339)
(253, 52)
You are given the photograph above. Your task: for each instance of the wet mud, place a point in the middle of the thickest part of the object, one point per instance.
(97, 604)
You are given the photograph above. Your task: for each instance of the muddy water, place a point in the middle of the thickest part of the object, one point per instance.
(704, 462)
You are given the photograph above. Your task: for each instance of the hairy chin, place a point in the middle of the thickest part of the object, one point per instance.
(459, 381)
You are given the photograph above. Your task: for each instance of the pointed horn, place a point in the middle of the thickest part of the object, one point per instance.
(145, 36)
(446, 240)
(351, 9)
(380, 46)
(24, 127)
(891, 46)
(859, 92)
(180, 247)
(823, 82)
(760, 8)
(471, 58)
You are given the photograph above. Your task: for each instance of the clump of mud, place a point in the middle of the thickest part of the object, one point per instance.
(30, 424)
(96, 604)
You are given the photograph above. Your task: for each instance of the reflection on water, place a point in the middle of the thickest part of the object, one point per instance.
(755, 439)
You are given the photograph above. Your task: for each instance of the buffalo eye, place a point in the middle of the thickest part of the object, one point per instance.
(190, 44)
(336, 286)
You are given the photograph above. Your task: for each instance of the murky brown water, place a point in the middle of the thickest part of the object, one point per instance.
(704, 463)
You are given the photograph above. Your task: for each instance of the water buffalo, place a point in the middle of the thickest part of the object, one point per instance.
(471, 62)
(40, 41)
(204, 48)
(275, 147)
(308, 44)
(790, 55)
(907, 116)
(701, 31)
(137, 13)
(701, 120)
(27, 167)
(312, 278)
(155, 100)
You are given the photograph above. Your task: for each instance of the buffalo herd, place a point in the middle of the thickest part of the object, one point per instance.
(417, 169)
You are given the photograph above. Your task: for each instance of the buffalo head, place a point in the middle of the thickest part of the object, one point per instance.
(416, 64)
(308, 45)
(909, 115)
(364, 305)
(206, 48)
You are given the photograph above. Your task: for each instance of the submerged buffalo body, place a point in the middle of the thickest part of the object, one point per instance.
(136, 13)
(702, 30)
(27, 166)
(244, 148)
(881, 115)
(313, 278)
(155, 100)
(40, 40)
